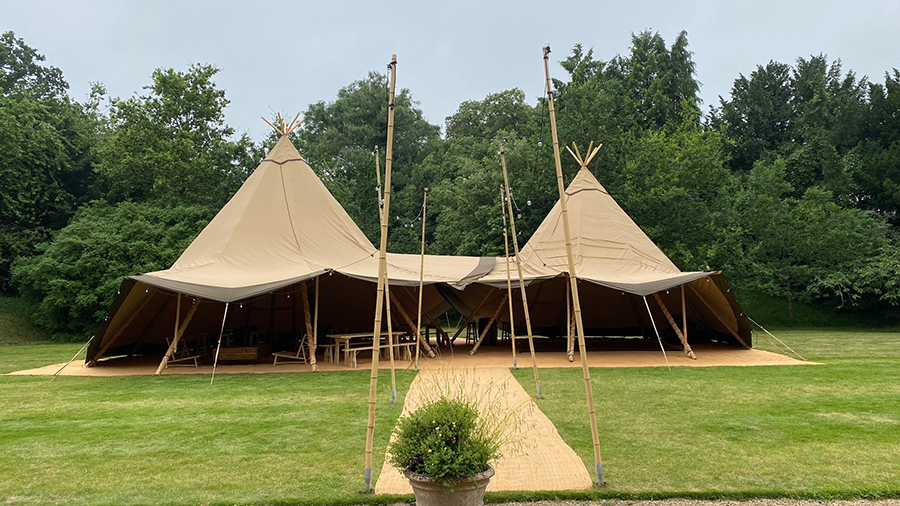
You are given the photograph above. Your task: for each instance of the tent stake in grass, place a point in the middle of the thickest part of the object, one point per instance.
(421, 275)
(382, 270)
(573, 280)
(512, 318)
(512, 224)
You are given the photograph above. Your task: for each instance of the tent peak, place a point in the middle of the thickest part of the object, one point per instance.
(591, 152)
(284, 128)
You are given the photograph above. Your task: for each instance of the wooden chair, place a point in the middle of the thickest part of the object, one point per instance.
(299, 355)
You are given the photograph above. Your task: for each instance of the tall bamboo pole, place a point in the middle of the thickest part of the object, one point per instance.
(316, 319)
(382, 269)
(512, 223)
(421, 274)
(387, 286)
(512, 328)
(390, 337)
(573, 280)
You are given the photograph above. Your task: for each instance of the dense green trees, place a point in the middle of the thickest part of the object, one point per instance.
(791, 184)
(76, 276)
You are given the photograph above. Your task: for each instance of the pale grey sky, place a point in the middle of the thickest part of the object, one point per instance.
(280, 56)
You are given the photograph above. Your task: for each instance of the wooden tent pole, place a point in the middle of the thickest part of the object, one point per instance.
(421, 276)
(307, 318)
(515, 240)
(733, 333)
(174, 344)
(512, 318)
(488, 326)
(683, 314)
(465, 322)
(687, 347)
(387, 288)
(431, 320)
(570, 338)
(573, 280)
(408, 320)
(179, 331)
(382, 270)
(219, 346)
(316, 320)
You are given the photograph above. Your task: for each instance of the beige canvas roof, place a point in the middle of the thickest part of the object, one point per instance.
(610, 249)
(283, 226)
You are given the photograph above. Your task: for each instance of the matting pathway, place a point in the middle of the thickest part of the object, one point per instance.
(537, 457)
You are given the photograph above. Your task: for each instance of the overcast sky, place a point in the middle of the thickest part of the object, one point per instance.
(280, 56)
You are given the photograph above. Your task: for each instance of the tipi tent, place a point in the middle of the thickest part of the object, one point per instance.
(620, 266)
(280, 229)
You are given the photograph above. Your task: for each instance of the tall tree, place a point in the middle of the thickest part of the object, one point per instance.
(172, 144)
(46, 157)
(338, 138)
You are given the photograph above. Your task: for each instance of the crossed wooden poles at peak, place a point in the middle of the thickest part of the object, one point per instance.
(284, 128)
(592, 151)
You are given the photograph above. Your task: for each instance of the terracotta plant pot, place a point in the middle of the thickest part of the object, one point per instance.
(434, 493)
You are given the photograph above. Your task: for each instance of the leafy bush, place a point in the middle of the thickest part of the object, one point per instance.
(74, 278)
(444, 440)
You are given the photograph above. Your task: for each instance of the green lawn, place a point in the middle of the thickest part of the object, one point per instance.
(818, 431)
(248, 439)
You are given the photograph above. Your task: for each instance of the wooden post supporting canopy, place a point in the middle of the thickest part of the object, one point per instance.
(465, 322)
(573, 280)
(488, 326)
(687, 347)
(512, 223)
(310, 337)
(408, 320)
(382, 269)
(179, 331)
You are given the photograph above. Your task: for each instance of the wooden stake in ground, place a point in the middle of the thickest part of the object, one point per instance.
(512, 318)
(573, 280)
(421, 276)
(382, 270)
(512, 223)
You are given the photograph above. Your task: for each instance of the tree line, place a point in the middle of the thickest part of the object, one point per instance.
(791, 184)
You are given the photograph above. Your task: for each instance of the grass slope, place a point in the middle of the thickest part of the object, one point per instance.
(818, 431)
(14, 325)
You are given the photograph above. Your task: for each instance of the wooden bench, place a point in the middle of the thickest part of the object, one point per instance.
(405, 348)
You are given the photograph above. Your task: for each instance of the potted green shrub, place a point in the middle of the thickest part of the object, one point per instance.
(445, 450)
